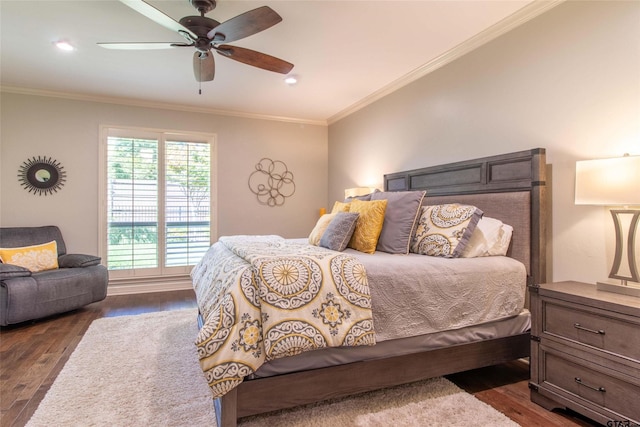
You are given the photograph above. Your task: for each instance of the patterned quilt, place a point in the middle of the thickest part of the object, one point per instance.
(263, 297)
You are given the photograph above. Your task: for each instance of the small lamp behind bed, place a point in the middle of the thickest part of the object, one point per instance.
(615, 182)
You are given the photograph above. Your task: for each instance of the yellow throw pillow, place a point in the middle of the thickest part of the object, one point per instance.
(340, 207)
(318, 230)
(34, 258)
(369, 225)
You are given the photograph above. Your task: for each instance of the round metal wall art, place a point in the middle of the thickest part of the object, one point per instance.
(271, 182)
(42, 175)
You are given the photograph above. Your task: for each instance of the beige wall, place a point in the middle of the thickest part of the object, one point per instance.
(68, 131)
(568, 81)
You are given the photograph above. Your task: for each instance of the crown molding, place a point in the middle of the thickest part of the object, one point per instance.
(156, 105)
(527, 13)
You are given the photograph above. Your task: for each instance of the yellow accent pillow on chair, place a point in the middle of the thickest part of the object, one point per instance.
(369, 224)
(34, 258)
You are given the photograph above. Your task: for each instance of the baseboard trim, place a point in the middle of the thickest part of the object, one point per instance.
(148, 287)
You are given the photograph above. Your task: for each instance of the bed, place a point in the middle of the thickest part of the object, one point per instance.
(510, 188)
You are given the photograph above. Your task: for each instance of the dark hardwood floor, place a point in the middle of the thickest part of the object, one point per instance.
(32, 354)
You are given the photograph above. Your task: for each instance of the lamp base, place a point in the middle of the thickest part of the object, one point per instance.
(618, 288)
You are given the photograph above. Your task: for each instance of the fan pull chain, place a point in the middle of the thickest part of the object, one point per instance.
(200, 80)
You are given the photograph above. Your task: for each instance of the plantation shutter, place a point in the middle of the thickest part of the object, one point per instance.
(132, 203)
(187, 202)
(158, 202)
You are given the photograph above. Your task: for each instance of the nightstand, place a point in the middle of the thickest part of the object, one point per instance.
(585, 351)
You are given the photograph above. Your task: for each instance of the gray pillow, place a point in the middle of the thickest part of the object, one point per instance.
(400, 219)
(339, 231)
(77, 260)
(9, 271)
(364, 198)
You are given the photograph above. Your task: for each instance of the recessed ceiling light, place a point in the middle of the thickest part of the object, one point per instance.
(64, 45)
(291, 80)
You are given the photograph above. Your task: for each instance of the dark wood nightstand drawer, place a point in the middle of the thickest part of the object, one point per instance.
(576, 381)
(605, 332)
(585, 351)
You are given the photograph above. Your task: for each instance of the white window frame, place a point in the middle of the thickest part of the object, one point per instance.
(160, 273)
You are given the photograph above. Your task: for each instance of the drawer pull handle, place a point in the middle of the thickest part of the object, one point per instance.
(593, 331)
(600, 389)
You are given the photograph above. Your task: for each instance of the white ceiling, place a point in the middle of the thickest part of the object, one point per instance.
(346, 53)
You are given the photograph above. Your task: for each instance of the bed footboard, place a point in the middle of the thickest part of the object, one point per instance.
(287, 391)
(226, 409)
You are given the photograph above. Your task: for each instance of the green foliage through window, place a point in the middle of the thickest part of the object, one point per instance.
(145, 201)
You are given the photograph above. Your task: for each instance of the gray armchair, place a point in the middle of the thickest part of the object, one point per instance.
(79, 280)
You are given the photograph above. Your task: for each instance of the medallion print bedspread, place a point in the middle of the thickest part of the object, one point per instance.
(262, 298)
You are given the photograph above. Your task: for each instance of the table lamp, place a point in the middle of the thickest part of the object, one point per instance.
(615, 182)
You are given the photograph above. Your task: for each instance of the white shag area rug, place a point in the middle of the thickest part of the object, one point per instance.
(143, 371)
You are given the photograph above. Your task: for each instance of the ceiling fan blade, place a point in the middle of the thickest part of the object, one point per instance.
(161, 18)
(256, 59)
(204, 68)
(142, 46)
(244, 25)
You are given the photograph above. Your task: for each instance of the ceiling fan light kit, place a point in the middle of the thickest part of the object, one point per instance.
(207, 34)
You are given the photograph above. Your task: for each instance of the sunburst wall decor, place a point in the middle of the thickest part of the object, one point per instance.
(42, 175)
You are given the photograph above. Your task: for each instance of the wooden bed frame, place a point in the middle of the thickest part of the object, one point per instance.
(522, 171)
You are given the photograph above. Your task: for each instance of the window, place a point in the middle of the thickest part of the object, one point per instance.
(157, 201)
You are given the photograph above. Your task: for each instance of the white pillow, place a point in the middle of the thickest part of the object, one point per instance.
(491, 237)
(319, 229)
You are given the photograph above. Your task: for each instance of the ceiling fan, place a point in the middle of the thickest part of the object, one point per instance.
(206, 35)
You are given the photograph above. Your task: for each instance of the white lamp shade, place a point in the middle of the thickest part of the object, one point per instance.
(610, 182)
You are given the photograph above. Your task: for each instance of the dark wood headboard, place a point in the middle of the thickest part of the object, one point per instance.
(510, 187)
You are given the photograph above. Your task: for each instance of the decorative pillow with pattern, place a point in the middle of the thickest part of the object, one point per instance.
(369, 224)
(339, 232)
(444, 230)
(34, 258)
